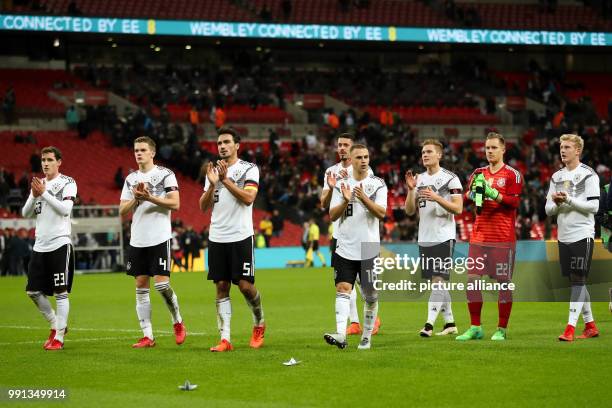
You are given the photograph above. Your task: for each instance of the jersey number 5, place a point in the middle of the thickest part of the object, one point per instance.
(247, 267)
(349, 210)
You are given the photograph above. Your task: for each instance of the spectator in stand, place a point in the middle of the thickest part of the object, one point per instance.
(278, 223)
(119, 178)
(191, 247)
(266, 227)
(4, 191)
(35, 162)
(3, 265)
(72, 117)
(8, 105)
(286, 6)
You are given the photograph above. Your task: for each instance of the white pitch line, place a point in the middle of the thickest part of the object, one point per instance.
(70, 329)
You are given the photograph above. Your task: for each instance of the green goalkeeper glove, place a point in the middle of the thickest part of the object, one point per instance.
(490, 192)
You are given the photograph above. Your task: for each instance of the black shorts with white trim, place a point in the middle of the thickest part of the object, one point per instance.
(150, 261)
(575, 257)
(231, 261)
(51, 271)
(434, 259)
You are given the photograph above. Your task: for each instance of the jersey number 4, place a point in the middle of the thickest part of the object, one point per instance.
(349, 210)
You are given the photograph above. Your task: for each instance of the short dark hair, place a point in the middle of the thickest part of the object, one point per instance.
(229, 131)
(495, 135)
(346, 136)
(52, 149)
(147, 140)
(358, 146)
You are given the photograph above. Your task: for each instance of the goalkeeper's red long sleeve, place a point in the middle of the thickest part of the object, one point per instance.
(511, 201)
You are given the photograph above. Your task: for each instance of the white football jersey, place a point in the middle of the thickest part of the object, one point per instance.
(335, 169)
(53, 230)
(151, 224)
(231, 220)
(436, 225)
(582, 183)
(358, 225)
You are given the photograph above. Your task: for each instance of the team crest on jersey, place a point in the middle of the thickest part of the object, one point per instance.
(501, 182)
(438, 183)
(576, 178)
(369, 189)
(566, 185)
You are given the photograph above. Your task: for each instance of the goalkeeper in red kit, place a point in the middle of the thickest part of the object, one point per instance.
(495, 190)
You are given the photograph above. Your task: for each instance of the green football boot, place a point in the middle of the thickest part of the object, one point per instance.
(473, 333)
(500, 334)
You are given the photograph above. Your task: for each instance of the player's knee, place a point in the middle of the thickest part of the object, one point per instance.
(370, 295)
(577, 280)
(33, 294)
(344, 287)
(60, 289)
(223, 288)
(162, 286)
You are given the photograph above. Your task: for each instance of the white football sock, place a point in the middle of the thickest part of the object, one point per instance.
(224, 317)
(436, 300)
(587, 313)
(370, 311)
(342, 311)
(171, 300)
(353, 313)
(143, 310)
(44, 306)
(256, 309)
(63, 308)
(447, 308)
(576, 303)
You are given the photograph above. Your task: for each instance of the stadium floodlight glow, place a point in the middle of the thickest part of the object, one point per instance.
(114, 45)
(56, 42)
(152, 46)
(157, 49)
(421, 47)
(109, 39)
(258, 49)
(188, 47)
(321, 45)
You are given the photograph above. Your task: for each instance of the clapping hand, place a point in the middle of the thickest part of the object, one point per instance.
(411, 180)
(38, 187)
(346, 191)
(331, 179)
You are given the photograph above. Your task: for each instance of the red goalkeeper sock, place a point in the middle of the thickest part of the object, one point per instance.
(475, 308)
(504, 307)
(474, 298)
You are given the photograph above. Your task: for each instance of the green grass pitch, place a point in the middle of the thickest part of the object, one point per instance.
(100, 369)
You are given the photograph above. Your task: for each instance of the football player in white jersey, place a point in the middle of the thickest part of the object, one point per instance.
(230, 190)
(151, 193)
(343, 169)
(437, 195)
(359, 202)
(573, 196)
(51, 266)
